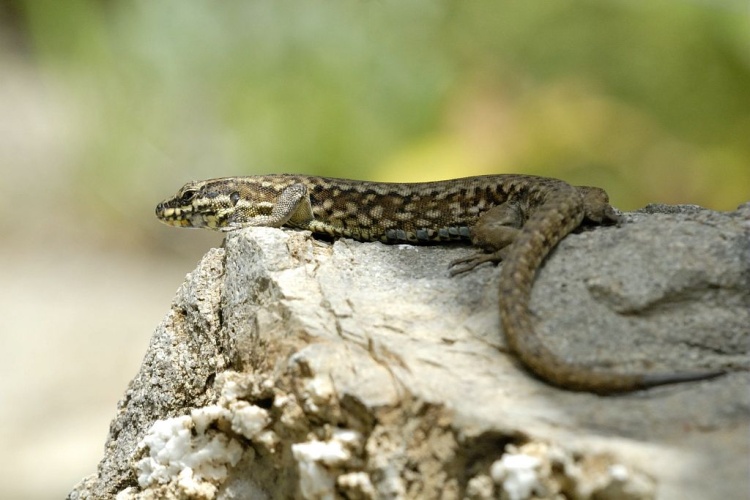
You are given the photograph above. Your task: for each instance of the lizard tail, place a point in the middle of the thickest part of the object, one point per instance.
(554, 219)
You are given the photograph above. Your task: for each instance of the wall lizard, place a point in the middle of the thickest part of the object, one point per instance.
(516, 219)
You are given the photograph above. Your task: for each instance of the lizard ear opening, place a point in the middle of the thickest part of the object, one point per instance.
(234, 198)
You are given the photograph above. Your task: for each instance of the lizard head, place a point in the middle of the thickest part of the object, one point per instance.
(210, 204)
(196, 204)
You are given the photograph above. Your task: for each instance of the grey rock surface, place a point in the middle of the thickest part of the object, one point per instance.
(287, 367)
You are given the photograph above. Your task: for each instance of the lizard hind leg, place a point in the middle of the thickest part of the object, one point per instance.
(494, 231)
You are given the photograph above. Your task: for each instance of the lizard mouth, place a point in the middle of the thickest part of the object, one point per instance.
(186, 216)
(175, 216)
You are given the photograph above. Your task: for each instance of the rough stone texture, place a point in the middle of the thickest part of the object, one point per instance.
(359, 370)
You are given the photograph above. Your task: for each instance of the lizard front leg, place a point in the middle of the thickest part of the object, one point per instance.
(292, 207)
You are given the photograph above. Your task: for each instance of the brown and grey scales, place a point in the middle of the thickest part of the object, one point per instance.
(517, 219)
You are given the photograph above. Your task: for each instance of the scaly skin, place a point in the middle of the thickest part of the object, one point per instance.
(516, 218)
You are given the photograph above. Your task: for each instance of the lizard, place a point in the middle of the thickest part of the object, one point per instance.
(514, 219)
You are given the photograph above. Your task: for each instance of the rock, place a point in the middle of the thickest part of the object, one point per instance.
(288, 367)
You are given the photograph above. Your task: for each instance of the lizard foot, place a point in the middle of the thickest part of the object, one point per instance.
(466, 264)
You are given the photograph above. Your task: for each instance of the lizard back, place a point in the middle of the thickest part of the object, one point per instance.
(367, 211)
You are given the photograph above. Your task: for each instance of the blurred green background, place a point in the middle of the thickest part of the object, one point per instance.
(107, 107)
(648, 99)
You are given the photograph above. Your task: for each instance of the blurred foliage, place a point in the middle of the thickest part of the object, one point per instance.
(648, 99)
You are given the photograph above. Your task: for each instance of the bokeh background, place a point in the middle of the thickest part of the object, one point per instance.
(109, 106)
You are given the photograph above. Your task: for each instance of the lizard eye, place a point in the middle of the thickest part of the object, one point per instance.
(234, 198)
(188, 195)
